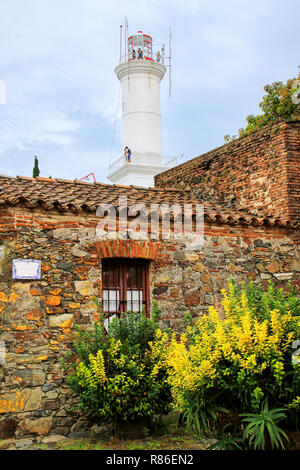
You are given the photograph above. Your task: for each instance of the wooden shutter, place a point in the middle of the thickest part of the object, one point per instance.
(125, 286)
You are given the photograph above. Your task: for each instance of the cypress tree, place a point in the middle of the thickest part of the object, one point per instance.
(36, 170)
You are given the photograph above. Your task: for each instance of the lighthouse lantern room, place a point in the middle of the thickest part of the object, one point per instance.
(140, 76)
(140, 41)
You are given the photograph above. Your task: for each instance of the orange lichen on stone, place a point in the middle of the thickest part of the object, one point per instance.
(53, 300)
(7, 405)
(61, 321)
(35, 291)
(66, 330)
(42, 358)
(3, 297)
(66, 337)
(55, 291)
(34, 315)
(13, 297)
(74, 305)
(22, 327)
(66, 325)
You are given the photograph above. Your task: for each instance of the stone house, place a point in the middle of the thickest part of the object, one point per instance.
(250, 190)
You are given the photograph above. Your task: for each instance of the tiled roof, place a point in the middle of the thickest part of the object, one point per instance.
(66, 195)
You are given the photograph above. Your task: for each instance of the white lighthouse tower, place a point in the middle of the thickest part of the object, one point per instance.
(140, 76)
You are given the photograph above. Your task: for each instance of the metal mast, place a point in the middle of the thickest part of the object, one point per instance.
(126, 39)
(121, 26)
(169, 58)
(170, 62)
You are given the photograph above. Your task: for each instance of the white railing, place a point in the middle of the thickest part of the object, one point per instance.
(166, 161)
(128, 58)
(169, 161)
(118, 163)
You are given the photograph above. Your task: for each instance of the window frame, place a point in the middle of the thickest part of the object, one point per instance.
(122, 280)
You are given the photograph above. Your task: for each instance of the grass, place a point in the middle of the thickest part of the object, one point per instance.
(176, 440)
(165, 434)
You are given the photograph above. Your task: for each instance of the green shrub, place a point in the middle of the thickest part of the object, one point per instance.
(262, 430)
(227, 441)
(120, 375)
(239, 357)
(197, 414)
(262, 301)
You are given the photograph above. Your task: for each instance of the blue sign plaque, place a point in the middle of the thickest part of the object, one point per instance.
(26, 269)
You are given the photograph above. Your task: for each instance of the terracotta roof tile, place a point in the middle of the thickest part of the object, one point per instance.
(61, 180)
(64, 195)
(40, 178)
(25, 178)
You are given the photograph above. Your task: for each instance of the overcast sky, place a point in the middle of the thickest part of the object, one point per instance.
(57, 59)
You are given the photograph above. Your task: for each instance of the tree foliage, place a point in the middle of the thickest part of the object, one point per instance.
(36, 170)
(280, 102)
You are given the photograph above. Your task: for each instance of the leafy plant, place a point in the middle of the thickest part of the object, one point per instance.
(227, 441)
(263, 300)
(262, 430)
(121, 375)
(237, 358)
(198, 415)
(277, 104)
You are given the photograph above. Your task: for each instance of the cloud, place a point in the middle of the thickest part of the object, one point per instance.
(58, 60)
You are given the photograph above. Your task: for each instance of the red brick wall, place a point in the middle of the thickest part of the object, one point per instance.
(259, 172)
(292, 133)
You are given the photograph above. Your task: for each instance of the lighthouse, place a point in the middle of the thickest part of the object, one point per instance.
(140, 75)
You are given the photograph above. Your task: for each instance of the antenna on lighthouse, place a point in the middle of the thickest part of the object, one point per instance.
(121, 29)
(126, 39)
(169, 58)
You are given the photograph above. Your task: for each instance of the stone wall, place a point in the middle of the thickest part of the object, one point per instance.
(259, 173)
(37, 317)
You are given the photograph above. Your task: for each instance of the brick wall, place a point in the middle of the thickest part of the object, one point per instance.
(259, 172)
(37, 317)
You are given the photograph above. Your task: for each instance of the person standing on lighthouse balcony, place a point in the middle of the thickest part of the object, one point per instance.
(125, 153)
(140, 53)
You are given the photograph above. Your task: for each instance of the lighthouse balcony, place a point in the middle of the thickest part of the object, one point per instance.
(136, 172)
(166, 162)
(158, 57)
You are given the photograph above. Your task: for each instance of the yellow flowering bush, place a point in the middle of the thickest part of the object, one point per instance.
(239, 356)
(121, 375)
